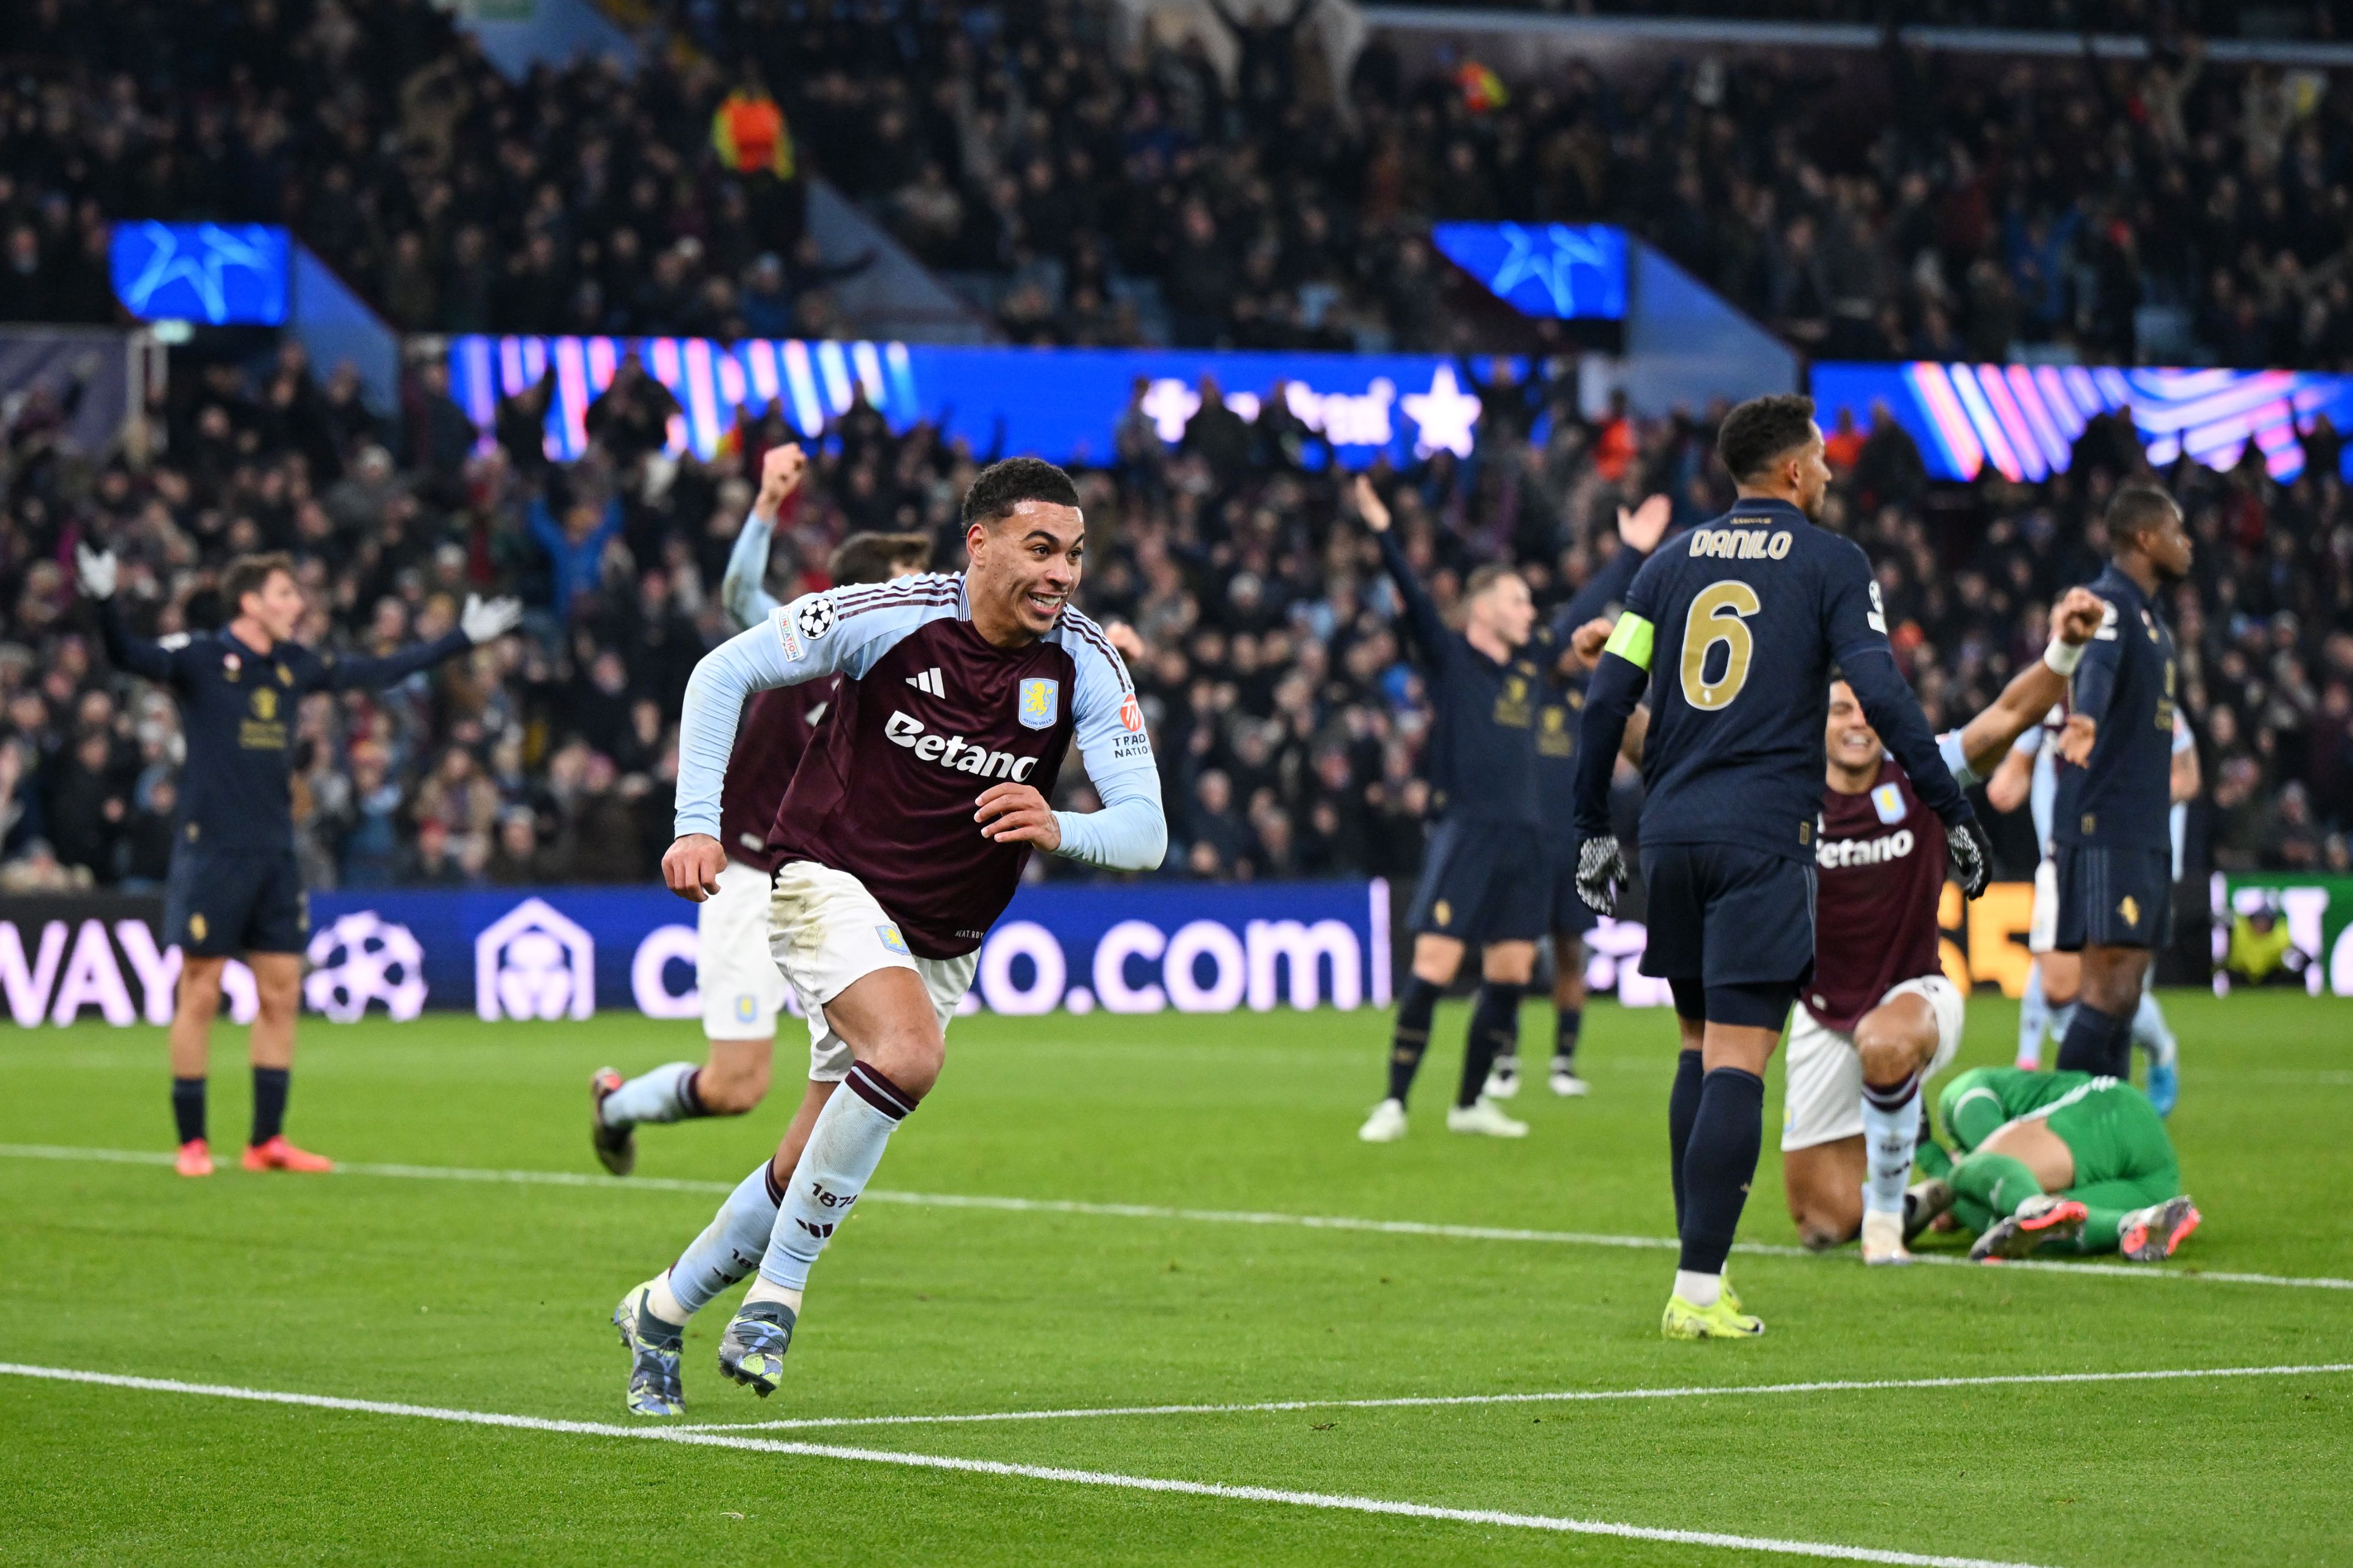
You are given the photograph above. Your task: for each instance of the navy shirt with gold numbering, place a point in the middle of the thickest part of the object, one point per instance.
(237, 709)
(1481, 757)
(2122, 796)
(1737, 626)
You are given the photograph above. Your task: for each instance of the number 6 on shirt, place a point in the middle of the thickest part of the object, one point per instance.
(1716, 617)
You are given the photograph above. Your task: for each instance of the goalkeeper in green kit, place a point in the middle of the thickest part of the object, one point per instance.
(2061, 1161)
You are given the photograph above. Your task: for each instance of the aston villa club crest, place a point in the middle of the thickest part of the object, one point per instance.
(1888, 800)
(1039, 703)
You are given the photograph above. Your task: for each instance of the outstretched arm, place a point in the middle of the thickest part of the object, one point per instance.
(744, 588)
(2033, 691)
(96, 573)
(482, 620)
(1421, 609)
(2007, 788)
(339, 672)
(137, 655)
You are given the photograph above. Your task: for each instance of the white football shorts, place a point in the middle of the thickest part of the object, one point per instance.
(741, 991)
(1823, 1098)
(827, 932)
(2042, 925)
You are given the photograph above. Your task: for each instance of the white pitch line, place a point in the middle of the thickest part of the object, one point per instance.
(1191, 1215)
(1568, 1396)
(1335, 1502)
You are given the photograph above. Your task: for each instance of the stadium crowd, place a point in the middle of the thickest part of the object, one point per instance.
(1287, 711)
(1940, 206)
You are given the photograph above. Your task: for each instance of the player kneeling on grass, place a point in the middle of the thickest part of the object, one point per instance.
(904, 832)
(2061, 1160)
(1879, 1018)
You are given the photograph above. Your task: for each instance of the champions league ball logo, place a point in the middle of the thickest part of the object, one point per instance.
(361, 958)
(532, 962)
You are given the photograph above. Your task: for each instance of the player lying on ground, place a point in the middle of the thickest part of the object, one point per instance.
(740, 989)
(1734, 629)
(2058, 1160)
(235, 888)
(905, 833)
(1879, 1018)
(2029, 775)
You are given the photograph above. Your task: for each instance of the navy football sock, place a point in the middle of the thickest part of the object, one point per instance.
(1725, 1138)
(269, 1102)
(2096, 1042)
(1414, 1011)
(1494, 1031)
(1682, 1109)
(1568, 1022)
(188, 1107)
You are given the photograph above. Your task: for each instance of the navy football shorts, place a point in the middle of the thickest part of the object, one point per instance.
(1571, 916)
(1734, 923)
(2113, 896)
(1482, 882)
(219, 903)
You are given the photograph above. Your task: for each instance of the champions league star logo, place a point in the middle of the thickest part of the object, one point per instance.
(227, 275)
(361, 958)
(1552, 257)
(532, 962)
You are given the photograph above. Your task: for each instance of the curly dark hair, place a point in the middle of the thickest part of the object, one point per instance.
(1003, 486)
(1762, 429)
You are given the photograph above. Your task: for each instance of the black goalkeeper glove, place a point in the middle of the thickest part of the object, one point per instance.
(1600, 873)
(1971, 854)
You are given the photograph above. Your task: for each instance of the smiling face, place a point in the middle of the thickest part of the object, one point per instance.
(1851, 742)
(1024, 567)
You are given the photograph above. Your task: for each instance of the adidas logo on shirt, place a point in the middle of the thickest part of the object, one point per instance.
(929, 682)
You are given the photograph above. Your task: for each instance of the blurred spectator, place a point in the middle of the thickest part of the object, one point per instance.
(1088, 181)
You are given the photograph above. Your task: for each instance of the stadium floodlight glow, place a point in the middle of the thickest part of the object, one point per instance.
(2022, 421)
(1060, 404)
(221, 274)
(1564, 271)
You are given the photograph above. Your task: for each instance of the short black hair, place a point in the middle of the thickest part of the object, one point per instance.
(2137, 509)
(1762, 429)
(1003, 486)
(873, 557)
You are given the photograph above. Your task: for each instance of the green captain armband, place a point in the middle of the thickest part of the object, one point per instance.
(1630, 639)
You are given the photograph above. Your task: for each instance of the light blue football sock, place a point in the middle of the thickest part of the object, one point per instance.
(844, 1148)
(665, 1094)
(2033, 1018)
(730, 1246)
(2150, 1033)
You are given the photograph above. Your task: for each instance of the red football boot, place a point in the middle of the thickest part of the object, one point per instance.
(195, 1159)
(279, 1156)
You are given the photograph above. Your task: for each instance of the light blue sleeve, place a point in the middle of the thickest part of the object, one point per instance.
(1948, 747)
(1131, 833)
(800, 641)
(744, 587)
